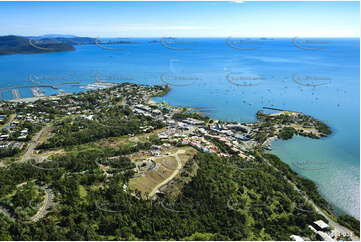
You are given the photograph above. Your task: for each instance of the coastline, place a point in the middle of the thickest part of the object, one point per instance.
(268, 143)
(150, 101)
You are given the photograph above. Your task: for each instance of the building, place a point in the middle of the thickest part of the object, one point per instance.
(16, 145)
(162, 136)
(239, 127)
(142, 107)
(22, 137)
(4, 136)
(9, 128)
(296, 238)
(193, 121)
(241, 137)
(226, 132)
(90, 117)
(321, 226)
(156, 112)
(4, 146)
(156, 153)
(324, 236)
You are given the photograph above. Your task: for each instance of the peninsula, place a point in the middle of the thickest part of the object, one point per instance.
(110, 164)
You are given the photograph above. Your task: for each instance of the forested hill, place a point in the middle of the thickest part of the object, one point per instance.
(12, 44)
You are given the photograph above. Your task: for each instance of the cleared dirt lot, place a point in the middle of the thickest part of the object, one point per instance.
(167, 167)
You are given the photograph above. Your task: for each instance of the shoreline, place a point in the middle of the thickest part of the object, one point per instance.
(268, 142)
(150, 101)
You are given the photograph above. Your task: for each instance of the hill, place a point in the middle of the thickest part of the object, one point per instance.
(67, 40)
(12, 44)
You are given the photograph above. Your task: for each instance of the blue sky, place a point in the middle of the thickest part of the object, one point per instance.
(182, 19)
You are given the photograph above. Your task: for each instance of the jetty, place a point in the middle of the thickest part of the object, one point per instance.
(278, 109)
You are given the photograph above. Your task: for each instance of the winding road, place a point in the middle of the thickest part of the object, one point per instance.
(42, 210)
(44, 207)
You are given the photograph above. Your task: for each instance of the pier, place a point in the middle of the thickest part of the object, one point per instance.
(277, 109)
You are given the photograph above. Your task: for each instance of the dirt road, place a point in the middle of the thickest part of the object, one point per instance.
(179, 166)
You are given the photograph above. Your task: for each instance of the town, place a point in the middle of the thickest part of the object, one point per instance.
(35, 131)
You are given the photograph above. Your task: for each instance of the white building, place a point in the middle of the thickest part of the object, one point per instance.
(296, 238)
(321, 225)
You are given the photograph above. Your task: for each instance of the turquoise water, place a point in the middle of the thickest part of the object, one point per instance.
(232, 84)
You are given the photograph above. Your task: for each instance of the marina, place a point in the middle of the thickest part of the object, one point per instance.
(37, 92)
(16, 93)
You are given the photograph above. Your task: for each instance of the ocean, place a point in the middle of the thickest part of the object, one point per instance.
(231, 79)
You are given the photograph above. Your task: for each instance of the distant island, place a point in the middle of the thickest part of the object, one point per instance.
(12, 44)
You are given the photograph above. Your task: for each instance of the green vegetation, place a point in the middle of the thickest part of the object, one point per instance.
(165, 90)
(323, 128)
(184, 115)
(350, 222)
(24, 202)
(219, 202)
(304, 184)
(221, 145)
(94, 142)
(287, 133)
(120, 163)
(112, 123)
(19, 45)
(8, 152)
(285, 120)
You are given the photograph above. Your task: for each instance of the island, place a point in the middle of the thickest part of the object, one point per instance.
(13, 44)
(20, 45)
(112, 164)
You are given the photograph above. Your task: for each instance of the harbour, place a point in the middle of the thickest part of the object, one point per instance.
(16, 93)
(37, 92)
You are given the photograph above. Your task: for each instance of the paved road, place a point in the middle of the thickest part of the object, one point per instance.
(46, 204)
(179, 166)
(34, 143)
(333, 223)
(42, 210)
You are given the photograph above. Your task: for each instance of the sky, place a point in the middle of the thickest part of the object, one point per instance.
(181, 19)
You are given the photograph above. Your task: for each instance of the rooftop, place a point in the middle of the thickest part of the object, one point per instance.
(321, 224)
